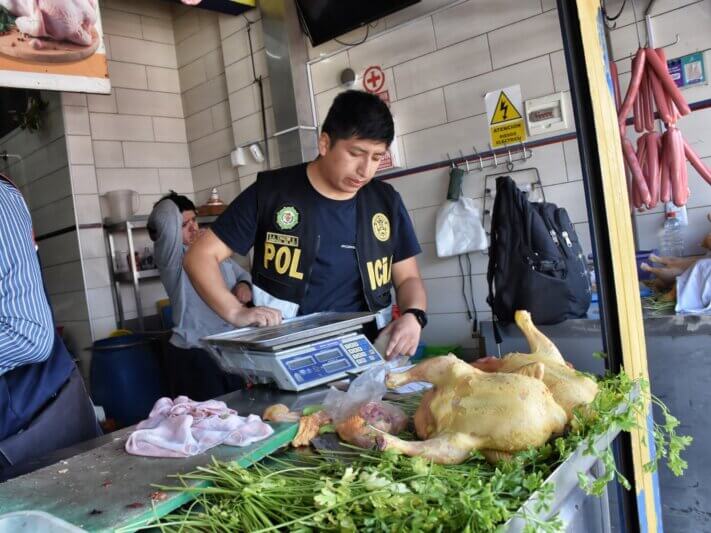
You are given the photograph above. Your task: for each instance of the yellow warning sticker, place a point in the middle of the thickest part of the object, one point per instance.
(507, 133)
(505, 110)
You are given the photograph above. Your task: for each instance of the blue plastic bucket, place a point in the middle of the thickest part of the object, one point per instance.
(126, 378)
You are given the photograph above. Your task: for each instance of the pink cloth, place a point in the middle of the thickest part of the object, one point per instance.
(183, 427)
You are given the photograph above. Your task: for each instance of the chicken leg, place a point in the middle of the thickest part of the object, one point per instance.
(570, 388)
(437, 370)
(445, 449)
(537, 342)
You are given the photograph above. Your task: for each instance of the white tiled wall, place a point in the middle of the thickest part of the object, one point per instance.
(43, 175)
(184, 97)
(691, 20)
(244, 104)
(204, 95)
(438, 69)
(134, 138)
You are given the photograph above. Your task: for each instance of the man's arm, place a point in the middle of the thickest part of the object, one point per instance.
(410, 292)
(202, 264)
(165, 228)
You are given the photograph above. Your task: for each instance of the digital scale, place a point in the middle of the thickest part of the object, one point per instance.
(299, 353)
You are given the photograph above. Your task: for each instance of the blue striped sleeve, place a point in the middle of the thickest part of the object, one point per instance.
(26, 325)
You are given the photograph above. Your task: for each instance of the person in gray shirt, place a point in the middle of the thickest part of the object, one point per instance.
(173, 227)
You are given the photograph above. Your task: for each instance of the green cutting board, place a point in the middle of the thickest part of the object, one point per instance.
(106, 489)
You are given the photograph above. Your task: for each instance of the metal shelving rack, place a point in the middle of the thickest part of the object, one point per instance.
(133, 276)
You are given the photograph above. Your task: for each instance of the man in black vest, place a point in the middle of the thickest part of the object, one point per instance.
(326, 237)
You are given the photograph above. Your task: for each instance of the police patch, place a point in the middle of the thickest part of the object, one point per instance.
(287, 217)
(381, 227)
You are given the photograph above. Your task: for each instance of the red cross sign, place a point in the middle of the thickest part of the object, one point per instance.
(373, 79)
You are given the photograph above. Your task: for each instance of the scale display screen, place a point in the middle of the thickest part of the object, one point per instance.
(327, 356)
(336, 366)
(300, 363)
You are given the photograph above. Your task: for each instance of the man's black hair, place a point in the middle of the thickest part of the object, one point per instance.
(361, 115)
(183, 202)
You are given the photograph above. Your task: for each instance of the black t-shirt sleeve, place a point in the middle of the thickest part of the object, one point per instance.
(237, 226)
(406, 244)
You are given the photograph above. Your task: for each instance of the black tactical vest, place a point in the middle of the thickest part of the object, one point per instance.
(287, 239)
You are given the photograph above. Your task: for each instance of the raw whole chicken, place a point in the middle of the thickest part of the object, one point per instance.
(568, 387)
(495, 413)
(61, 20)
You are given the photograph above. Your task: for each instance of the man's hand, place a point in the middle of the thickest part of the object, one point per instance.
(243, 292)
(671, 267)
(255, 316)
(404, 334)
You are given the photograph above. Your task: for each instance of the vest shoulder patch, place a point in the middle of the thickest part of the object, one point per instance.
(381, 227)
(287, 217)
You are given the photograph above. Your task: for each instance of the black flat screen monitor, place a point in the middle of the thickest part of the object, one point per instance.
(323, 20)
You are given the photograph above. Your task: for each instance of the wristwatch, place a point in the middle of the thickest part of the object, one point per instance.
(420, 316)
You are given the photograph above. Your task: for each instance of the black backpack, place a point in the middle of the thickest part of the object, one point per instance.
(535, 260)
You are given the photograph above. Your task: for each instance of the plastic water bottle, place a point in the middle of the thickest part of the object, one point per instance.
(672, 244)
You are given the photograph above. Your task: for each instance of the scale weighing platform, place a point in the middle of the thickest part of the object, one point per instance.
(300, 353)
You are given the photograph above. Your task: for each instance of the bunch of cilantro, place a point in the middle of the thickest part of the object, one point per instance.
(362, 490)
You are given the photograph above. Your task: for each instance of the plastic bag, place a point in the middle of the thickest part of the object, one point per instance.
(459, 229)
(368, 387)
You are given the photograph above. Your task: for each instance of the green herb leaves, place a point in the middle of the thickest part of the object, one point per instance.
(363, 490)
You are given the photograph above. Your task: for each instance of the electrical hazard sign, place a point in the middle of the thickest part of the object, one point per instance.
(503, 112)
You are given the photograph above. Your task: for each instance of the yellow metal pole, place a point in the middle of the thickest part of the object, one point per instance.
(622, 249)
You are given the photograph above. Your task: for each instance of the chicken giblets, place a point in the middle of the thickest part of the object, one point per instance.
(61, 20)
(468, 410)
(569, 388)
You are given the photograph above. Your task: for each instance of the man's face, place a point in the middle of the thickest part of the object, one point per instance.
(190, 227)
(349, 164)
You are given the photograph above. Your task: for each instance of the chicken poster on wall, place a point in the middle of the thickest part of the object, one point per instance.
(52, 44)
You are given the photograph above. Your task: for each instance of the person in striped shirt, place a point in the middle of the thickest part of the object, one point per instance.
(44, 405)
(26, 329)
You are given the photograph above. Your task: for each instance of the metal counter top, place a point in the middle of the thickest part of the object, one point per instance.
(245, 402)
(99, 487)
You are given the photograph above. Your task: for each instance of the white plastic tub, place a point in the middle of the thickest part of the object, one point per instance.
(35, 522)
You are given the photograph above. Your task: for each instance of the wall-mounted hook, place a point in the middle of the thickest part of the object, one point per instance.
(493, 153)
(451, 163)
(675, 41)
(477, 154)
(636, 27)
(509, 163)
(464, 159)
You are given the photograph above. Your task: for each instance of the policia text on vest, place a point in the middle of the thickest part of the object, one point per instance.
(284, 252)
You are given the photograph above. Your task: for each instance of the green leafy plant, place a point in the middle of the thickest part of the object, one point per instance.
(659, 303)
(32, 117)
(7, 20)
(365, 490)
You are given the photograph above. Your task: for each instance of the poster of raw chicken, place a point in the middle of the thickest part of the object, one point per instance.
(52, 44)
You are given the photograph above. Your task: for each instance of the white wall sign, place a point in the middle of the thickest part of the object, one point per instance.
(504, 113)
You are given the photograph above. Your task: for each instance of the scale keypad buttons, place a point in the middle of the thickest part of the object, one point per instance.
(329, 358)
